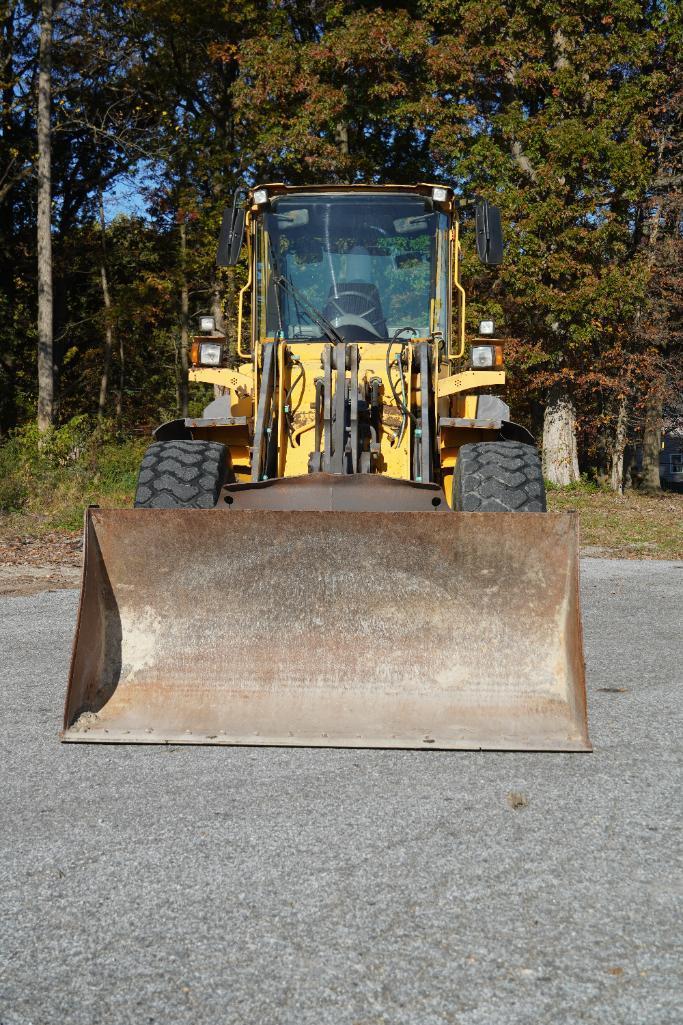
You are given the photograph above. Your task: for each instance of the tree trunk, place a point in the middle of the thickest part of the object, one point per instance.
(618, 446)
(46, 381)
(652, 441)
(560, 460)
(176, 367)
(184, 318)
(342, 138)
(122, 378)
(224, 303)
(8, 270)
(217, 306)
(221, 324)
(108, 324)
(629, 463)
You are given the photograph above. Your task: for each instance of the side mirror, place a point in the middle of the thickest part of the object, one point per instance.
(489, 233)
(232, 233)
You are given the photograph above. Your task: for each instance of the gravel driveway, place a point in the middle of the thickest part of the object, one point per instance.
(305, 887)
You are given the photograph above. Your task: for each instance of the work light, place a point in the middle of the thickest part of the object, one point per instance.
(207, 325)
(484, 356)
(210, 354)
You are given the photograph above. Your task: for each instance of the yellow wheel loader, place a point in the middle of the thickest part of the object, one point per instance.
(350, 546)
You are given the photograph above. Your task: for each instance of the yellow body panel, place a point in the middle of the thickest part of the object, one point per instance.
(224, 377)
(468, 379)
(456, 395)
(295, 451)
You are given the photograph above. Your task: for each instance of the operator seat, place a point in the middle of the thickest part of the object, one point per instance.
(353, 306)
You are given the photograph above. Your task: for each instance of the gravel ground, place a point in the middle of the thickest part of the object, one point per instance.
(321, 887)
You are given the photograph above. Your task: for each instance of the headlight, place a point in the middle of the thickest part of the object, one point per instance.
(207, 325)
(487, 356)
(487, 327)
(210, 354)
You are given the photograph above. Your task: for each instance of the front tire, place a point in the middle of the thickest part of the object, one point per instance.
(181, 475)
(498, 476)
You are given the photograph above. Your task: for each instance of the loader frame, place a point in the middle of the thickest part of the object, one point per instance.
(441, 391)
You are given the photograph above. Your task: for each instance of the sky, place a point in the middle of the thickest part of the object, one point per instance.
(128, 195)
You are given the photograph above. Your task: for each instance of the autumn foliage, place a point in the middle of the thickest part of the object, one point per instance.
(568, 115)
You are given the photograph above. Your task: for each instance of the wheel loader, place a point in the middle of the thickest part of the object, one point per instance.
(350, 547)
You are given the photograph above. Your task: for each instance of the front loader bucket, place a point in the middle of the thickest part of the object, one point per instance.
(372, 629)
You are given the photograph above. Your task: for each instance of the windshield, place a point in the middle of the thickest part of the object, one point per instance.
(365, 265)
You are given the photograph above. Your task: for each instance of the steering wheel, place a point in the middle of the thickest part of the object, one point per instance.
(355, 302)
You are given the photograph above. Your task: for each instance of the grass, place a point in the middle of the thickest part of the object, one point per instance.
(630, 526)
(46, 483)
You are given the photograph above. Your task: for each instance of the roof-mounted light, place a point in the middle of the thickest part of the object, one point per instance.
(440, 195)
(260, 197)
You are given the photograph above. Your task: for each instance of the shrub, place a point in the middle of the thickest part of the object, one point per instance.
(52, 477)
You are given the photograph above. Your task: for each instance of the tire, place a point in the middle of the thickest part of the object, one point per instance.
(498, 476)
(181, 475)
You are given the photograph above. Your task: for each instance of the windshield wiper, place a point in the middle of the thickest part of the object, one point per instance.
(310, 310)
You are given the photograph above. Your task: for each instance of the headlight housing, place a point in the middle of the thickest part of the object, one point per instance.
(210, 354)
(486, 356)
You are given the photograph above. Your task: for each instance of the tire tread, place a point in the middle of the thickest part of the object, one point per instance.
(499, 476)
(181, 475)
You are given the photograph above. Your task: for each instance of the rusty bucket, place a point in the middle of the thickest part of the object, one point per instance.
(373, 629)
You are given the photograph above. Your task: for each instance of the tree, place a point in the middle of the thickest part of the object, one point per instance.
(18, 62)
(661, 245)
(108, 317)
(540, 108)
(332, 92)
(565, 115)
(44, 222)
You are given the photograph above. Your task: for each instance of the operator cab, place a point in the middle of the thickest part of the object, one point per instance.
(357, 267)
